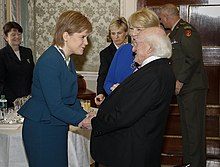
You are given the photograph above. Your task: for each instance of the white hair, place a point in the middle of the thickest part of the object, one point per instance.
(160, 43)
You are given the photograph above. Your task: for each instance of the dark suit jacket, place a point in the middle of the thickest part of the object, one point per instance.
(106, 56)
(187, 60)
(15, 75)
(54, 92)
(129, 127)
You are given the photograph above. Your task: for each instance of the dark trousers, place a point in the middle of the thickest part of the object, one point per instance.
(192, 116)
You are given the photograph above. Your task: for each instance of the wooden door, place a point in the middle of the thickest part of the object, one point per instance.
(205, 16)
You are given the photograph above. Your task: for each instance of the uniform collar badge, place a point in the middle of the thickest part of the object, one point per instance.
(174, 42)
(188, 33)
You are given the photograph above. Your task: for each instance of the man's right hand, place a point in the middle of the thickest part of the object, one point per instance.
(99, 99)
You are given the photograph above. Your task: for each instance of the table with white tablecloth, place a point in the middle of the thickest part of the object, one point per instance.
(12, 152)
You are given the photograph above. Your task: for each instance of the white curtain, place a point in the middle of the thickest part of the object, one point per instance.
(2, 22)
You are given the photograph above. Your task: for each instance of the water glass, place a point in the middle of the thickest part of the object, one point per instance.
(86, 104)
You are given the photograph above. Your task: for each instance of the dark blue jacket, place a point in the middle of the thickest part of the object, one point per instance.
(54, 92)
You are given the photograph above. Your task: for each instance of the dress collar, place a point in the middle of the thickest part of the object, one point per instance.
(61, 52)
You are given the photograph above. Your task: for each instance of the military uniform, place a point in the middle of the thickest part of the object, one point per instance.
(189, 69)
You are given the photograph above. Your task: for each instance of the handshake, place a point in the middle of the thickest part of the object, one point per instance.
(86, 122)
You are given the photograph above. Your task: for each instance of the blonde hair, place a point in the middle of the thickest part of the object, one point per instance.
(70, 22)
(144, 18)
(119, 22)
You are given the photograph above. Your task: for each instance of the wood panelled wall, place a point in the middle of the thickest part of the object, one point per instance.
(205, 16)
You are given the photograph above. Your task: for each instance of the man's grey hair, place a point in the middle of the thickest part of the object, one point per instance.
(170, 10)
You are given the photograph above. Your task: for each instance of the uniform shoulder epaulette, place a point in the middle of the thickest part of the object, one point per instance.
(187, 27)
(182, 23)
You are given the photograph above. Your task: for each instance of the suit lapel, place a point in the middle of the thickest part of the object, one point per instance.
(23, 55)
(12, 54)
(113, 49)
(71, 67)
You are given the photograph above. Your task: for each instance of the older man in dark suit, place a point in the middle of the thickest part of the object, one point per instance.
(191, 84)
(129, 127)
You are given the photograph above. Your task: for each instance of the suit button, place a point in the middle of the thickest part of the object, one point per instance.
(98, 133)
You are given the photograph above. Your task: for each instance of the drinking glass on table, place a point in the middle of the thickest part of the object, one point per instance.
(10, 115)
(86, 104)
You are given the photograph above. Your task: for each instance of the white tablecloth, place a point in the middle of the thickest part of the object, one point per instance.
(12, 152)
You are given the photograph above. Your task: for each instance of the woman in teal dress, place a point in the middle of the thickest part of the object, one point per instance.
(54, 104)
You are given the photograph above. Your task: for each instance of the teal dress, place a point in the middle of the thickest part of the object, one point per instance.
(50, 110)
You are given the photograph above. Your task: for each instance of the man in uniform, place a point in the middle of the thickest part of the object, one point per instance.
(191, 84)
